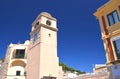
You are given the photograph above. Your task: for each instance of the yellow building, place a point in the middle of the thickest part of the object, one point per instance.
(37, 57)
(108, 16)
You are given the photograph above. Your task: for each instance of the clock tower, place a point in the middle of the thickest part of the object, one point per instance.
(42, 57)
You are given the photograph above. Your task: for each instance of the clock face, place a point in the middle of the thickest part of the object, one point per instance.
(48, 22)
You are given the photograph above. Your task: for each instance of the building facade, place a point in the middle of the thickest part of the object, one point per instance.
(17, 61)
(108, 16)
(100, 71)
(43, 48)
(37, 57)
(70, 75)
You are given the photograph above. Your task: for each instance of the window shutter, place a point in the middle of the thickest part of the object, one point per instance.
(104, 25)
(110, 50)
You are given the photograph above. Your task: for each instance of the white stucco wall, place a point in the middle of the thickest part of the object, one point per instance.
(12, 72)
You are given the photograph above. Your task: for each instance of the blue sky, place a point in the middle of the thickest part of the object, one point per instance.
(79, 38)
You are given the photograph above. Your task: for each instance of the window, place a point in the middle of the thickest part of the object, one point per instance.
(17, 73)
(35, 36)
(116, 43)
(25, 73)
(36, 24)
(48, 22)
(20, 53)
(113, 18)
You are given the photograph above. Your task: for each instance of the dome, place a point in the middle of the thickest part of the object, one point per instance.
(46, 14)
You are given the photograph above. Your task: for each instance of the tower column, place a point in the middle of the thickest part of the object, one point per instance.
(110, 50)
(42, 55)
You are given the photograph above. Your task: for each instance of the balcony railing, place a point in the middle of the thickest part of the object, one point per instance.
(21, 56)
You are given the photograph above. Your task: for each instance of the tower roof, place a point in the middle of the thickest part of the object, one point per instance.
(45, 14)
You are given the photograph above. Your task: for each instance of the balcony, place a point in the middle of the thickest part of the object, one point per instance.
(19, 54)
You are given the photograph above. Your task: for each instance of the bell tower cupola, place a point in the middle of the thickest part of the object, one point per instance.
(45, 20)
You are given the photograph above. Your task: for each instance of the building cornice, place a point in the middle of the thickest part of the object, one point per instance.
(49, 27)
(44, 14)
(45, 26)
(103, 9)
